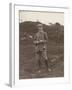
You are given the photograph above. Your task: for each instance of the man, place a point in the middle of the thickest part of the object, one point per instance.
(40, 41)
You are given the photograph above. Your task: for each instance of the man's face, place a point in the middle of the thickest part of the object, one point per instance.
(40, 28)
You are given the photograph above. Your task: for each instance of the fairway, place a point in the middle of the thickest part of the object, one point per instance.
(28, 66)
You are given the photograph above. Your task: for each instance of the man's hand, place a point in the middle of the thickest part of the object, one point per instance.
(39, 42)
(42, 41)
(36, 42)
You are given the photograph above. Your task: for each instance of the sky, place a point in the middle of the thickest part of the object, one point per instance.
(44, 17)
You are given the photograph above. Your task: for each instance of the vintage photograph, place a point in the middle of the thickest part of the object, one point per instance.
(41, 44)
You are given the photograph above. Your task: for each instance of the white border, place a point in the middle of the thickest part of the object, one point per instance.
(15, 47)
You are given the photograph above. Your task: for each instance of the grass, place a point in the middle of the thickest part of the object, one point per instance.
(27, 65)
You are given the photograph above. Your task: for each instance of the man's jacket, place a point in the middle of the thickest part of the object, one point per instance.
(40, 41)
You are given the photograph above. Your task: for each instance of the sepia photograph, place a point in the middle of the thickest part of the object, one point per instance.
(41, 44)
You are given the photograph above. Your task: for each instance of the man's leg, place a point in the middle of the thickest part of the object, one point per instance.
(38, 62)
(39, 65)
(46, 60)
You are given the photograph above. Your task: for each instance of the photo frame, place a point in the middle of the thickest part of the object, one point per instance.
(14, 46)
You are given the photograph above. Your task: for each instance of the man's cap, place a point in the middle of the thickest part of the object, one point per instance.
(39, 25)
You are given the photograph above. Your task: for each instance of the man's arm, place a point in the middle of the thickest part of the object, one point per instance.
(46, 37)
(35, 39)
